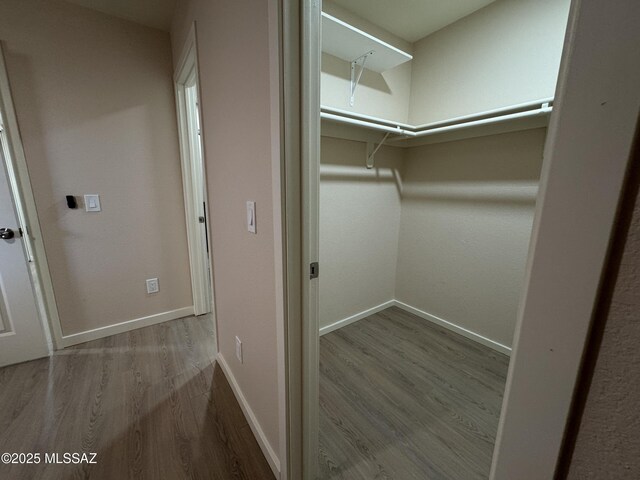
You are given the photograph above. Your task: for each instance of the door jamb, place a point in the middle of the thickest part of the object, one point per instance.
(301, 142)
(301, 127)
(203, 290)
(587, 156)
(25, 203)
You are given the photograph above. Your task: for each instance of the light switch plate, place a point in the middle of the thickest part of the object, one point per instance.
(239, 349)
(92, 203)
(251, 217)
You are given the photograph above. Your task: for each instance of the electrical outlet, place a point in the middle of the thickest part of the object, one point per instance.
(152, 285)
(239, 349)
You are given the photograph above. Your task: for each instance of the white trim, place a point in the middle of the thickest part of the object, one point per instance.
(267, 450)
(296, 276)
(586, 158)
(26, 204)
(487, 342)
(310, 196)
(127, 326)
(580, 186)
(274, 11)
(193, 176)
(476, 337)
(354, 318)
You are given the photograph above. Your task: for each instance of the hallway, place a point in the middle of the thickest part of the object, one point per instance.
(151, 403)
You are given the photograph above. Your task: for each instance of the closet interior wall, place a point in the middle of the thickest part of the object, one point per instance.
(360, 213)
(441, 229)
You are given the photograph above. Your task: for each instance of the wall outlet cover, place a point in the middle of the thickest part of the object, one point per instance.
(153, 286)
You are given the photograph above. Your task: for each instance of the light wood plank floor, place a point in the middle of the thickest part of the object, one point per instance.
(401, 398)
(151, 403)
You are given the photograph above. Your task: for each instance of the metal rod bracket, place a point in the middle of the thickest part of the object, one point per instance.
(357, 67)
(371, 156)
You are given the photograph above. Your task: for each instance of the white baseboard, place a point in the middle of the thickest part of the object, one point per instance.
(354, 318)
(455, 328)
(427, 316)
(267, 450)
(96, 333)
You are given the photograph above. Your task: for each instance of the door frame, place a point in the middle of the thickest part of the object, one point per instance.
(301, 50)
(587, 158)
(27, 214)
(545, 361)
(193, 174)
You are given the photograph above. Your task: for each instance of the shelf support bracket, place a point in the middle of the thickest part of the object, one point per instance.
(370, 156)
(357, 67)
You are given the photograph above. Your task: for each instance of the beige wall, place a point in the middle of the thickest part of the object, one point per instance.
(238, 114)
(359, 225)
(467, 213)
(443, 228)
(607, 441)
(95, 105)
(504, 54)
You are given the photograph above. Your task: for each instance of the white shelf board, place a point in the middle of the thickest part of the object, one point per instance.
(349, 43)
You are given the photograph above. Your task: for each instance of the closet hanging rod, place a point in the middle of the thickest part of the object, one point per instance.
(543, 110)
(488, 113)
(363, 123)
(450, 121)
(367, 118)
(485, 121)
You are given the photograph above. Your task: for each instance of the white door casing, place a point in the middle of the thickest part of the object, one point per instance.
(199, 193)
(193, 177)
(587, 155)
(14, 165)
(22, 336)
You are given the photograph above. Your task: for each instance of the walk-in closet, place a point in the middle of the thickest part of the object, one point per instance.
(433, 124)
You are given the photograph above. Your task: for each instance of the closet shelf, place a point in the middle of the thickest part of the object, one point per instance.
(512, 118)
(350, 44)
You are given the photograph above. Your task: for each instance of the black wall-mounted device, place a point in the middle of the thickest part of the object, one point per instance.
(71, 201)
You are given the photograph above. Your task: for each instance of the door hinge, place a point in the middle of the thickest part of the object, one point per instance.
(314, 270)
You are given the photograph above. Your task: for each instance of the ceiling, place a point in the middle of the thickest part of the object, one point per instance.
(152, 13)
(412, 20)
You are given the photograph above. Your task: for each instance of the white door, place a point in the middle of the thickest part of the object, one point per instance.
(21, 334)
(199, 192)
(193, 178)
